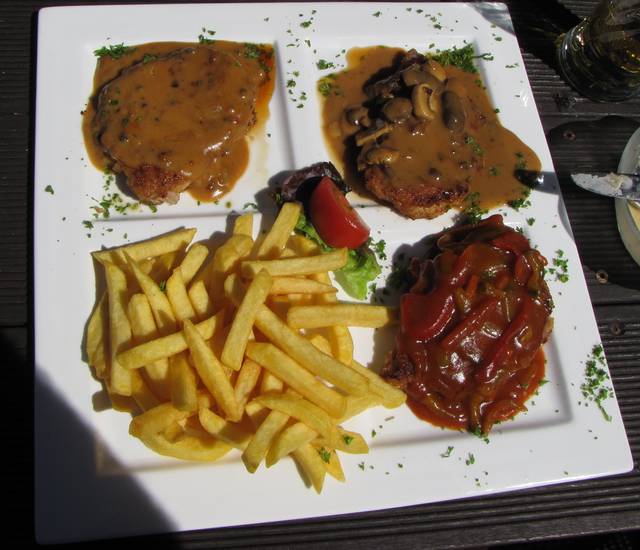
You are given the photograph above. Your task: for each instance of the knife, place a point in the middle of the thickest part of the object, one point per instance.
(619, 186)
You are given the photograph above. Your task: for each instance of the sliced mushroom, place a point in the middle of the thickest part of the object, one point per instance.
(397, 109)
(420, 99)
(358, 116)
(379, 129)
(413, 75)
(453, 114)
(382, 155)
(434, 68)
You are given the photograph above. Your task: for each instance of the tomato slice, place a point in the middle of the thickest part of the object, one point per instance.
(334, 218)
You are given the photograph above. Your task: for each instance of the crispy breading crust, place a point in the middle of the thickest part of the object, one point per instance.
(414, 199)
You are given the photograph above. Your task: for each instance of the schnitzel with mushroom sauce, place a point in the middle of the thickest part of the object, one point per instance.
(420, 135)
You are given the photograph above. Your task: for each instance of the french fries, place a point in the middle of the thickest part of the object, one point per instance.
(212, 348)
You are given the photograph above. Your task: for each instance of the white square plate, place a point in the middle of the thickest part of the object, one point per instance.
(93, 480)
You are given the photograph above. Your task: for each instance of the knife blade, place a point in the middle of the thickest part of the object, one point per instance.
(619, 186)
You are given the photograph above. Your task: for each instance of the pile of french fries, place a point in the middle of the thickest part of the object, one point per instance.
(243, 347)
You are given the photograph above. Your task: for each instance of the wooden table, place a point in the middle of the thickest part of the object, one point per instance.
(581, 134)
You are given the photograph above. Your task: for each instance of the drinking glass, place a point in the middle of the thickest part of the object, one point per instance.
(600, 57)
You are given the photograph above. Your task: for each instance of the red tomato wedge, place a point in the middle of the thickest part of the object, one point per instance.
(335, 220)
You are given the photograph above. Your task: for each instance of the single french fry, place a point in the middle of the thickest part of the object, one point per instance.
(311, 463)
(236, 342)
(156, 420)
(243, 225)
(305, 353)
(97, 338)
(141, 393)
(119, 328)
(144, 329)
(287, 253)
(296, 266)
(176, 240)
(339, 335)
(353, 315)
(184, 384)
(256, 413)
(303, 246)
(299, 285)
(321, 343)
(288, 440)
(160, 306)
(261, 440)
(303, 410)
(188, 447)
(211, 372)
(277, 237)
(390, 396)
(296, 377)
(231, 433)
(225, 259)
(166, 346)
(192, 262)
(173, 431)
(270, 382)
(246, 381)
(359, 403)
(160, 267)
(348, 442)
(331, 462)
(178, 297)
(200, 300)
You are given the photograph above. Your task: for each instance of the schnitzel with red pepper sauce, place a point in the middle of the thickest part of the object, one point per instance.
(469, 350)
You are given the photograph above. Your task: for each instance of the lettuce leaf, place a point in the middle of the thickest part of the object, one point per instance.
(362, 266)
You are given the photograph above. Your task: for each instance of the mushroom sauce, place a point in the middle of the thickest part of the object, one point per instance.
(190, 118)
(438, 147)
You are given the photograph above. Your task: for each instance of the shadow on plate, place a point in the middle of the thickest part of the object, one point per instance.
(72, 500)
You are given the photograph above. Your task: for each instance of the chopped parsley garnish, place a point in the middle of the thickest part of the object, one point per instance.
(377, 14)
(472, 210)
(252, 51)
(458, 57)
(593, 388)
(478, 433)
(87, 224)
(475, 146)
(291, 83)
(163, 286)
(325, 87)
(447, 453)
(148, 58)
(522, 202)
(324, 64)
(347, 439)
(471, 460)
(531, 221)
(324, 455)
(521, 163)
(373, 433)
(202, 38)
(493, 171)
(49, 189)
(361, 466)
(115, 51)
(560, 267)
(378, 248)
(250, 205)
